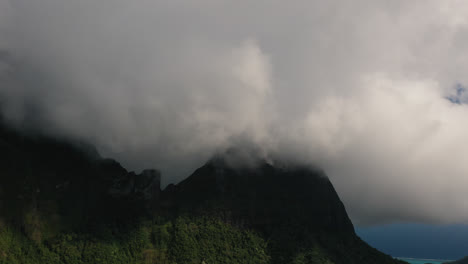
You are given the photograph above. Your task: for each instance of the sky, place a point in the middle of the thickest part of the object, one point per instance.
(447, 242)
(373, 92)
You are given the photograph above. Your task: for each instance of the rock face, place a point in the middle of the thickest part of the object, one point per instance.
(68, 180)
(147, 185)
(295, 208)
(265, 196)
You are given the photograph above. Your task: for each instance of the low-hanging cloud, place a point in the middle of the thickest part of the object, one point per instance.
(367, 90)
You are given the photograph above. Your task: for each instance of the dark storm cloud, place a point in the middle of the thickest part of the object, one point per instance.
(358, 88)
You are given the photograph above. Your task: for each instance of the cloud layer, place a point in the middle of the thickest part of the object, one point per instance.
(362, 89)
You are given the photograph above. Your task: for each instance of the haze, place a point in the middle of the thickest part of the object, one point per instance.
(371, 91)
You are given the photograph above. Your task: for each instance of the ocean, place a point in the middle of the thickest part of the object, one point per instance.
(423, 261)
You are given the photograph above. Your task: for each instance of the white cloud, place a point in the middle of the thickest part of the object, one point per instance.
(358, 88)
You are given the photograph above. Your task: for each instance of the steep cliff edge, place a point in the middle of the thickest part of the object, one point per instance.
(67, 182)
(295, 208)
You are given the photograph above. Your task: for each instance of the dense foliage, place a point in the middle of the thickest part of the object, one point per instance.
(181, 240)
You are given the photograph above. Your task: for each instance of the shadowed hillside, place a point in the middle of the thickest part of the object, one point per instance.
(60, 202)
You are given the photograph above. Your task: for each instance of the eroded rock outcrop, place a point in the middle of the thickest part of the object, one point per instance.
(147, 185)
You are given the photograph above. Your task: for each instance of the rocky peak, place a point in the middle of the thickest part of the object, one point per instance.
(147, 184)
(265, 195)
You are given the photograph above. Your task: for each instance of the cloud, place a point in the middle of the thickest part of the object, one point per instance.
(367, 90)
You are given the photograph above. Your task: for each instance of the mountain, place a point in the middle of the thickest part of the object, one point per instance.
(61, 202)
(67, 181)
(295, 208)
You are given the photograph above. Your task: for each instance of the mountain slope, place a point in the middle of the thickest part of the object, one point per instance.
(60, 202)
(295, 208)
(66, 182)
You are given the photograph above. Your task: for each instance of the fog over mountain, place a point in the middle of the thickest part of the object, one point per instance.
(371, 91)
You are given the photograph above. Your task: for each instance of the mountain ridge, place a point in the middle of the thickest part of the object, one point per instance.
(61, 203)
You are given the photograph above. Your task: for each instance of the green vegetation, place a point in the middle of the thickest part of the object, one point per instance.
(178, 240)
(182, 240)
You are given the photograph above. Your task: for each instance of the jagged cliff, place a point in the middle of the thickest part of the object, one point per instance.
(61, 202)
(295, 208)
(68, 181)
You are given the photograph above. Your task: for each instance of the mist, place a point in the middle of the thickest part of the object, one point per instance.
(371, 91)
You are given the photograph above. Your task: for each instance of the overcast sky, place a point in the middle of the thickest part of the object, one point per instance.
(371, 91)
